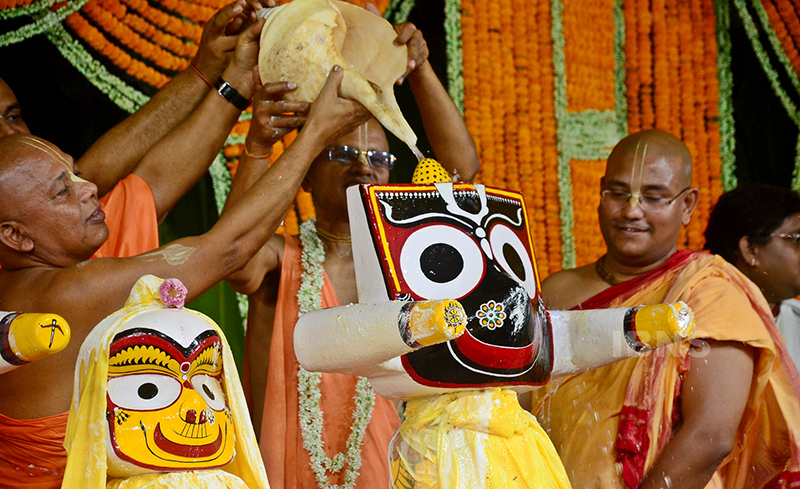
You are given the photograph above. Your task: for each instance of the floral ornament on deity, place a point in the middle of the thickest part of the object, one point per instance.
(491, 314)
(157, 400)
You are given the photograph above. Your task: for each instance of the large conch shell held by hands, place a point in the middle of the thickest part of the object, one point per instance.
(302, 41)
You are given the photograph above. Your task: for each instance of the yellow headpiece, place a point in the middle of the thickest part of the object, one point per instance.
(156, 390)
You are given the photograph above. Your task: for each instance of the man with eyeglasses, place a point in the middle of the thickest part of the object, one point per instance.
(682, 416)
(273, 284)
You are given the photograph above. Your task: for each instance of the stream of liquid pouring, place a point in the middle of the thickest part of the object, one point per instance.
(416, 152)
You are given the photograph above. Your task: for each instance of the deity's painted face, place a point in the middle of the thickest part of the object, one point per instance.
(167, 409)
(465, 242)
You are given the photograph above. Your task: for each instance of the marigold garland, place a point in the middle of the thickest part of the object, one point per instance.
(168, 23)
(667, 53)
(94, 38)
(110, 24)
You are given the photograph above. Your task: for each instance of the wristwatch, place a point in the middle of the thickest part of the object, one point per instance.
(231, 95)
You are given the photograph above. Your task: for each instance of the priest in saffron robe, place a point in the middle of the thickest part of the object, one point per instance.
(719, 411)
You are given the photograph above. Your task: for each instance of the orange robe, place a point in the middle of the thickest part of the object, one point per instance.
(287, 462)
(32, 454)
(131, 219)
(610, 424)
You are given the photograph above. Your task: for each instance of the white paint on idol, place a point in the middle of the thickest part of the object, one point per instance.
(48, 150)
(173, 254)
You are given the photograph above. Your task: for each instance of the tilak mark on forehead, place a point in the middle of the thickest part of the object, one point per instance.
(637, 191)
(46, 149)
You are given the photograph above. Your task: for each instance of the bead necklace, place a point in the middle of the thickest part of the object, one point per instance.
(604, 273)
(309, 298)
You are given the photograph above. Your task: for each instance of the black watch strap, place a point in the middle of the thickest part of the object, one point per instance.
(231, 95)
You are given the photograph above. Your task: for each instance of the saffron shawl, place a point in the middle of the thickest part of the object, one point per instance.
(636, 402)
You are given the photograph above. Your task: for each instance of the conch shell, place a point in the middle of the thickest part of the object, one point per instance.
(303, 39)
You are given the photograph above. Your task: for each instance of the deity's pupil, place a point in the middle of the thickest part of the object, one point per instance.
(514, 261)
(148, 391)
(208, 392)
(441, 263)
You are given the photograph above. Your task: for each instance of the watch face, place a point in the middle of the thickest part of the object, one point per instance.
(466, 242)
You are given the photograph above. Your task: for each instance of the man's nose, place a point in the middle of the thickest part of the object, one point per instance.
(361, 165)
(632, 209)
(88, 190)
(7, 129)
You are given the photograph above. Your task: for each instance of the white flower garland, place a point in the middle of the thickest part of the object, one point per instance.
(309, 298)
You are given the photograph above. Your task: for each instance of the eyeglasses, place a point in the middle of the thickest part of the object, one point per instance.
(618, 198)
(348, 155)
(795, 238)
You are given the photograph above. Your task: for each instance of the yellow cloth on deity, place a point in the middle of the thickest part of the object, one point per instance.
(201, 479)
(609, 425)
(479, 438)
(87, 426)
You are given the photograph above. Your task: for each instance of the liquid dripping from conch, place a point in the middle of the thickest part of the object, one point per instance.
(416, 152)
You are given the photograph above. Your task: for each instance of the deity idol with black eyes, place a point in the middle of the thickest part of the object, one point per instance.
(451, 320)
(157, 401)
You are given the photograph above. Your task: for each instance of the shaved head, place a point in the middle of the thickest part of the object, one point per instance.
(47, 213)
(652, 172)
(658, 144)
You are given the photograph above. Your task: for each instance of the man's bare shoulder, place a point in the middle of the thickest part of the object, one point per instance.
(568, 288)
(24, 290)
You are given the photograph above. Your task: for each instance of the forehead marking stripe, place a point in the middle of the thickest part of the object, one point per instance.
(35, 143)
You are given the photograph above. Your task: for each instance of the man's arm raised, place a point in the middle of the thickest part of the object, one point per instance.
(451, 141)
(273, 118)
(202, 261)
(118, 152)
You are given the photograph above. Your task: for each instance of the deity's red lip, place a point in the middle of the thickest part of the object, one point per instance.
(186, 451)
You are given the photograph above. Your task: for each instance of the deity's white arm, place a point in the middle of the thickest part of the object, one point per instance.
(354, 339)
(583, 340)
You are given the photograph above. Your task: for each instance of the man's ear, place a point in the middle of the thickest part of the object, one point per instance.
(13, 237)
(306, 184)
(689, 203)
(748, 251)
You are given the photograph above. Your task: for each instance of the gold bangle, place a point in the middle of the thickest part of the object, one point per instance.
(256, 157)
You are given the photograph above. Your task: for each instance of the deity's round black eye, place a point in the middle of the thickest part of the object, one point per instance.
(441, 262)
(208, 392)
(514, 261)
(148, 391)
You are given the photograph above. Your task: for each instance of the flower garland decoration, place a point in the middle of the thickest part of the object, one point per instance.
(772, 75)
(125, 97)
(309, 298)
(26, 7)
(132, 40)
(43, 23)
(727, 142)
(452, 36)
(166, 22)
(791, 109)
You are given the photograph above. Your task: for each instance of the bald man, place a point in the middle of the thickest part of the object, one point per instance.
(146, 163)
(51, 223)
(679, 416)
